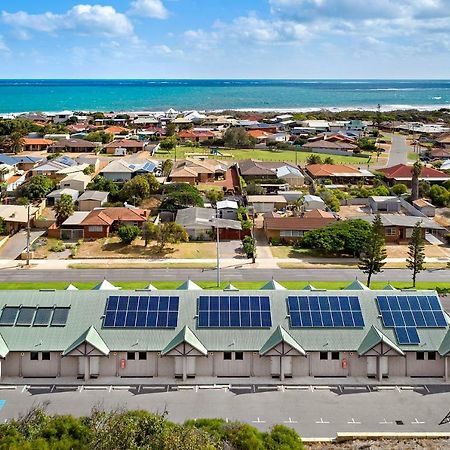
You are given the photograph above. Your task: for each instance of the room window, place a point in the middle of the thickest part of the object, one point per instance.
(95, 229)
(431, 356)
(45, 356)
(391, 231)
(239, 356)
(131, 356)
(142, 356)
(34, 356)
(324, 356)
(420, 356)
(227, 356)
(335, 356)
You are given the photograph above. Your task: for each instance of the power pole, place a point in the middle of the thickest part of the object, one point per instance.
(218, 246)
(28, 233)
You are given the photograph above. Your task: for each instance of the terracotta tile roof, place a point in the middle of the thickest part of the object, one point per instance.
(296, 223)
(440, 153)
(402, 171)
(115, 129)
(258, 134)
(125, 143)
(107, 216)
(324, 170)
(318, 213)
(37, 141)
(191, 134)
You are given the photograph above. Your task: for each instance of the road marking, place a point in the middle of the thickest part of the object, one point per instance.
(290, 421)
(24, 388)
(321, 421)
(354, 422)
(258, 420)
(385, 422)
(416, 421)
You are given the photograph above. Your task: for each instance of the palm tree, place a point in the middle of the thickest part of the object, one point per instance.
(298, 209)
(63, 209)
(16, 142)
(416, 171)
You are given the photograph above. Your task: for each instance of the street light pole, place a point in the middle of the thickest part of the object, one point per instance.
(218, 246)
(28, 233)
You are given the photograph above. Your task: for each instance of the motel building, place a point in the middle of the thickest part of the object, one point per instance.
(112, 336)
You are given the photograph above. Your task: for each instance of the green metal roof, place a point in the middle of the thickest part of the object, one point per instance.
(273, 285)
(105, 285)
(150, 287)
(373, 338)
(91, 337)
(389, 287)
(278, 336)
(185, 336)
(230, 287)
(4, 350)
(309, 287)
(444, 348)
(189, 286)
(357, 286)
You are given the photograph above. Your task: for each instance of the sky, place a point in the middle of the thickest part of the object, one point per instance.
(225, 39)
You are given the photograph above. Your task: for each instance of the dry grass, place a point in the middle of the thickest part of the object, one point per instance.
(382, 444)
(167, 265)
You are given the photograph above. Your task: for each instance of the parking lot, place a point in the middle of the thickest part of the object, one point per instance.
(314, 411)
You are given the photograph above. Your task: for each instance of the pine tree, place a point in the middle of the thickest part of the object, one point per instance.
(372, 258)
(416, 252)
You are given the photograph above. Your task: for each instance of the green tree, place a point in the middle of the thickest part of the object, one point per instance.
(249, 247)
(16, 141)
(166, 233)
(330, 200)
(168, 144)
(439, 195)
(63, 209)
(37, 187)
(100, 183)
(214, 196)
(171, 129)
(373, 257)
(3, 230)
(128, 234)
(416, 171)
(416, 252)
(399, 189)
(166, 167)
(313, 159)
(281, 437)
(237, 137)
(89, 170)
(99, 136)
(367, 144)
(328, 160)
(179, 196)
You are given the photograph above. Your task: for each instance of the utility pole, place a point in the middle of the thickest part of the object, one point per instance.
(218, 246)
(28, 233)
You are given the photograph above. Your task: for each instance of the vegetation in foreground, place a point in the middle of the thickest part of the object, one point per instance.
(135, 430)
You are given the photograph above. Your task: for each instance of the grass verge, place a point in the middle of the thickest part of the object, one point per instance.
(142, 266)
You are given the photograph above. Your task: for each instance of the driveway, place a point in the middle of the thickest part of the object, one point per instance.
(18, 243)
(399, 150)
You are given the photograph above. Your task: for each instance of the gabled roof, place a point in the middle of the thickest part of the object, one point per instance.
(278, 336)
(230, 287)
(310, 287)
(71, 287)
(150, 287)
(404, 172)
(105, 285)
(94, 195)
(189, 286)
(444, 348)
(117, 166)
(185, 335)
(373, 338)
(4, 350)
(336, 170)
(297, 223)
(389, 287)
(357, 286)
(125, 143)
(273, 285)
(91, 337)
(107, 216)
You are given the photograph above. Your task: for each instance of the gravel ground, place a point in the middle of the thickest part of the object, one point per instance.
(386, 444)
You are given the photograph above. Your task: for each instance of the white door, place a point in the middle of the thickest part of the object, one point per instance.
(80, 365)
(371, 366)
(275, 365)
(178, 365)
(191, 366)
(287, 366)
(384, 365)
(94, 366)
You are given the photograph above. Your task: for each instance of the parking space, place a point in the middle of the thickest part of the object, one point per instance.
(312, 411)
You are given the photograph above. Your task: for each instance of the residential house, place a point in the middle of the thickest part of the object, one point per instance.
(383, 204)
(291, 175)
(16, 217)
(266, 203)
(49, 169)
(252, 170)
(72, 146)
(196, 136)
(313, 202)
(77, 181)
(194, 171)
(124, 146)
(27, 163)
(402, 173)
(118, 170)
(227, 209)
(36, 144)
(90, 200)
(424, 207)
(443, 141)
(440, 153)
(330, 147)
(55, 196)
(291, 228)
(338, 173)
(62, 116)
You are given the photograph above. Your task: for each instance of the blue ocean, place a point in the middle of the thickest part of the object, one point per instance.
(159, 95)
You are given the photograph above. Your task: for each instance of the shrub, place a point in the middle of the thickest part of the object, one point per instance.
(128, 234)
(399, 189)
(58, 247)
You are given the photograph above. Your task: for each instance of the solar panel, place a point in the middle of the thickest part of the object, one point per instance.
(9, 315)
(406, 313)
(325, 312)
(42, 317)
(222, 311)
(141, 312)
(25, 317)
(60, 316)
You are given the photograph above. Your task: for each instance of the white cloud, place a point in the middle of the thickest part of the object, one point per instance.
(3, 47)
(83, 19)
(150, 8)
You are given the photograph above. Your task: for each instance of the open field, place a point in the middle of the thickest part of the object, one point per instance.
(262, 154)
(243, 285)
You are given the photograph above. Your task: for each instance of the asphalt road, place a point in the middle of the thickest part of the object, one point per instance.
(399, 150)
(18, 243)
(313, 413)
(248, 274)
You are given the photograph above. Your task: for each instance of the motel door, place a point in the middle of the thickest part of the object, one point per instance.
(384, 365)
(94, 366)
(371, 366)
(190, 365)
(275, 366)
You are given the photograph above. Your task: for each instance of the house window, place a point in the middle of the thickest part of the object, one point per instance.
(142, 356)
(95, 229)
(431, 356)
(391, 231)
(239, 356)
(34, 356)
(45, 356)
(227, 356)
(131, 356)
(324, 356)
(420, 356)
(408, 232)
(335, 356)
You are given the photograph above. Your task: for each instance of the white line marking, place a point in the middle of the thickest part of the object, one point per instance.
(416, 422)
(385, 422)
(322, 421)
(24, 388)
(258, 420)
(354, 422)
(290, 421)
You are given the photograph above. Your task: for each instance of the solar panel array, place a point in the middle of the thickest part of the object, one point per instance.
(238, 311)
(325, 312)
(406, 313)
(141, 311)
(36, 316)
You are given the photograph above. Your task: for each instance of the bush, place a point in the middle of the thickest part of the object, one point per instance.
(128, 234)
(439, 195)
(58, 247)
(282, 438)
(399, 189)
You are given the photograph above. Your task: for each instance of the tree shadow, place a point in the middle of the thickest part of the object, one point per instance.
(151, 251)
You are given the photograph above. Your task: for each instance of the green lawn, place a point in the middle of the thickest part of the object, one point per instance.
(250, 285)
(263, 155)
(412, 156)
